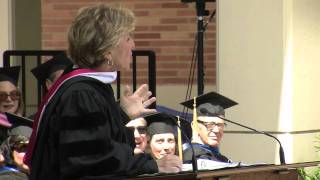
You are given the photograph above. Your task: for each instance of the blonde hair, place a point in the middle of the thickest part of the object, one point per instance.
(97, 30)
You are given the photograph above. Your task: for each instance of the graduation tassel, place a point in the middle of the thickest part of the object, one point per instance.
(195, 127)
(179, 139)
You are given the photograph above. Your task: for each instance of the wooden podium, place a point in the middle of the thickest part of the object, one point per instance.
(265, 172)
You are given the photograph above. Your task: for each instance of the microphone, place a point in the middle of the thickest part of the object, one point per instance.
(281, 151)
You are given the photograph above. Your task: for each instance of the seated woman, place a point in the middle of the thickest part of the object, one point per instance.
(14, 148)
(161, 138)
(10, 97)
(161, 135)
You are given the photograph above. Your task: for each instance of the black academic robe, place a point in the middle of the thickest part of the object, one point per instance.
(3, 133)
(203, 152)
(82, 135)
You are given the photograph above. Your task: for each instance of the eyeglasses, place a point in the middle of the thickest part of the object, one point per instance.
(20, 147)
(14, 95)
(211, 125)
(140, 129)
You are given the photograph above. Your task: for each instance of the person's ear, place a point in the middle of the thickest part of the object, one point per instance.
(108, 57)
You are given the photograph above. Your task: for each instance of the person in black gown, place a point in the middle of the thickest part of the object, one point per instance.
(139, 128)
(79, 130)
(10, 98)
(48, 72)
(10, 94)
(162, 135)
(209, 128)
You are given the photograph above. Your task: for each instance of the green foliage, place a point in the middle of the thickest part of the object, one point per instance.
(315, 173)
(312, 175)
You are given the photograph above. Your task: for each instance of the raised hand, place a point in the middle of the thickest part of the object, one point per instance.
(135, 105)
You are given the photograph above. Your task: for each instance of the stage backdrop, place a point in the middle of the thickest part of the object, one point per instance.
(268, 61)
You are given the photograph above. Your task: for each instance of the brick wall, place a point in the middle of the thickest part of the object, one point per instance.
(166, 26)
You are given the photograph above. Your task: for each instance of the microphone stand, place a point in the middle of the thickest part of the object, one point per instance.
(193, 159)
(281, 152)
(201, 12)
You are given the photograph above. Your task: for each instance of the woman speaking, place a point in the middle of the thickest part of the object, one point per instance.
(79, 131)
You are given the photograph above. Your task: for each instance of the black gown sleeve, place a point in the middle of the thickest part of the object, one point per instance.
(93, 142)
(201, 153)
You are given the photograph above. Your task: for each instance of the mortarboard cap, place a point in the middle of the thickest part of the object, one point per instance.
(210, 103)
(20, 125)
(10, 74)
(58, 62)
(159, 123)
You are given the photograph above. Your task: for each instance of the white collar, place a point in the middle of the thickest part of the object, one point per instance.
(105, 77)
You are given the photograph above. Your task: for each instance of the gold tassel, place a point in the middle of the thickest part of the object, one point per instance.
(179, 140)
(195, 127)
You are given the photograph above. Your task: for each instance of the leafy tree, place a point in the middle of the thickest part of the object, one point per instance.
(314, 174)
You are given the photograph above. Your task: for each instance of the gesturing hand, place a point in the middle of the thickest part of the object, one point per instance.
(169, 164)
(135, 105)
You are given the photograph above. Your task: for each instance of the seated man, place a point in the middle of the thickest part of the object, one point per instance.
(207, 127)
(139, 128)
(48, 72)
